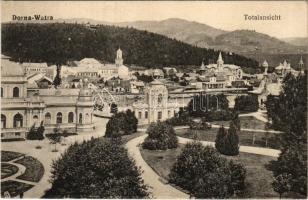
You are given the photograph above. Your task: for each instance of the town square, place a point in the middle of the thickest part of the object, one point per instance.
(167, 107)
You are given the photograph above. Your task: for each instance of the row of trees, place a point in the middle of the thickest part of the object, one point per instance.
(227, 141)
(58, 42)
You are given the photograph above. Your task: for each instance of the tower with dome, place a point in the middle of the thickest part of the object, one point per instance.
(156, 106)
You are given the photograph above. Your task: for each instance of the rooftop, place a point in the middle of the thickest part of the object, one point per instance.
(9, 68)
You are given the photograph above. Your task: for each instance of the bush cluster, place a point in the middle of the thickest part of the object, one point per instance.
(36, 133)
(201, 171)
(218, 115)
(122, 123)
(246, 103)
(202, 125)
(96, 169)
(161, 136)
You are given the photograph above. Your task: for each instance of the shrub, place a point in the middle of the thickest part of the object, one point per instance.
(122, 123)
(220, 115)
(36, 133)
(161, 136)
(96, 169)
(200, 170)
(202, 125)
(182, 119)
(246, 103)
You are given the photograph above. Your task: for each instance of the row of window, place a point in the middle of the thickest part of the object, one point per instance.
(145, 114)
(70, 118)
(159, 114)
(15, 92)
(18, 119)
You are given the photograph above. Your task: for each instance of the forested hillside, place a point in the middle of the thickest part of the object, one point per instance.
(59, 42)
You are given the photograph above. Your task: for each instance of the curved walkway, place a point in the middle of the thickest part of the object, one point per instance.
(258, 115)
(158, 189)
(151, 178)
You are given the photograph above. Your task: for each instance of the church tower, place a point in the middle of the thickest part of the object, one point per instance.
(220, 62)
(119, 59)
(301, 65)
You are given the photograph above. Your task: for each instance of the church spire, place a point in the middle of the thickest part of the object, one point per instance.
(220, 62)
(119, 59)
(301, 65)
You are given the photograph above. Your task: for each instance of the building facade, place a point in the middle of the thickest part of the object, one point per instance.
(156, 105)
(219, 75)
(67, 109)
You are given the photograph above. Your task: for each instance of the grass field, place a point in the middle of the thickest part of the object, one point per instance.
(14, 188)
(248, 122)
(258, 179)
(246, 137)
(34, 169)
(9, 155)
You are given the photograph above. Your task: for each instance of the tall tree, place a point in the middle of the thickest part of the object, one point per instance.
(57, 79)
(288, 113)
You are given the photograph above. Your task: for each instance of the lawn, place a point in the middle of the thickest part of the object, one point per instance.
(248, 122)
(258, 179)
(9, 155)
(8, 170)
(14, 188)
(34, 169)
(246, 137)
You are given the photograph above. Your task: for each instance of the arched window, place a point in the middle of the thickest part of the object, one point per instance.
(16, 92)
(160, 98)
(139, 115)
(159, 115)
(35, 119)
(70, 117)
(18, 121)
(80, 118)
(3, 121)
(87, 118)
(146, 114)
(47, 118)
(59, 118)
(1, 91)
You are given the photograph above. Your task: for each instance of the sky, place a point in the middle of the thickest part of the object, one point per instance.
(226, 15)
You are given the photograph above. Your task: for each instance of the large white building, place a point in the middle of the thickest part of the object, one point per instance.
(219, 75)
(32, 68)
(67, 109)
(93, 69)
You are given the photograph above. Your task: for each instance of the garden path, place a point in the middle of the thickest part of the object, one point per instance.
(158, 189)
(46, 156)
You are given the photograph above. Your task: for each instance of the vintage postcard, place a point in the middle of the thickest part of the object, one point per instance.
(154, 99)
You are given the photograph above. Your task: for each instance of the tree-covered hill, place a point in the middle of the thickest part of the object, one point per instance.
(59, 42)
